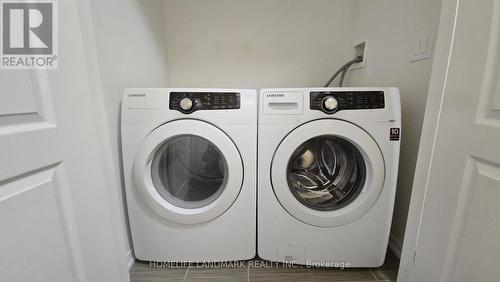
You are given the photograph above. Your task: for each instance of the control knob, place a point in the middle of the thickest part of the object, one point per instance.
(186, 104)
(330, 103)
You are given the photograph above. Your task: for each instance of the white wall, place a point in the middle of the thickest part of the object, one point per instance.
(130, 41)
(391, 26)
(256, 44)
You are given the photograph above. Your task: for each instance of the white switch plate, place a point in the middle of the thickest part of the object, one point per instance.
(421, 47)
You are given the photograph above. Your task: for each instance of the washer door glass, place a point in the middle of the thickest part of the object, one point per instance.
(326, 173)
(189, 171)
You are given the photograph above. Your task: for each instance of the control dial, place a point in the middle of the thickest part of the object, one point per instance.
(330, 103)
(186, 104)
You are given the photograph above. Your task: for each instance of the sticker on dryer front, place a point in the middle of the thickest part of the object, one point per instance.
(394, 134)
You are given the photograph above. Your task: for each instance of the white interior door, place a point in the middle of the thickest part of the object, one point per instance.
(55, 224)
(459, 234)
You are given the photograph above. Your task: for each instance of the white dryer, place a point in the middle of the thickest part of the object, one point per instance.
(189, 160)
(328, 162)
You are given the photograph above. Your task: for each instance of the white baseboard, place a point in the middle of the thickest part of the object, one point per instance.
(130, 259)
(395, 245)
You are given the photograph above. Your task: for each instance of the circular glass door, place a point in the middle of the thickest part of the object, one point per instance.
(188, 178)
(327, 172)
(189, 171)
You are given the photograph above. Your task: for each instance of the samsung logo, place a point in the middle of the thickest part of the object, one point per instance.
(275, 95)
(137, 95)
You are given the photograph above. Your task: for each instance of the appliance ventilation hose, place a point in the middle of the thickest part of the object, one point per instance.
(343, 69)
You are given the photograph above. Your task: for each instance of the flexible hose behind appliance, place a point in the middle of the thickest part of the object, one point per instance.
(343, 69)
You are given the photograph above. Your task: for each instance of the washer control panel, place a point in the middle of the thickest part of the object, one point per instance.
(331, 102)
(188, 102)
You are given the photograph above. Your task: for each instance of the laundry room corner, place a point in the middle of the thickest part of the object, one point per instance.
(143, 34)
(290, 60)
(389, 63)
(130, 46)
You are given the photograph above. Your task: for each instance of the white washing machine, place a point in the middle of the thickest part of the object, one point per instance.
(189, 159)
(328, 162)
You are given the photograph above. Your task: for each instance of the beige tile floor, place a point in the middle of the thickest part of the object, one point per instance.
(255, 270)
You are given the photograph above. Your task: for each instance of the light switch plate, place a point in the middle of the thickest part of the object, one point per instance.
(421, 47)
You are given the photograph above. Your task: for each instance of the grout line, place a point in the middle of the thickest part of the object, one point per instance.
(373, 274)
(310, 274)
(185, 275)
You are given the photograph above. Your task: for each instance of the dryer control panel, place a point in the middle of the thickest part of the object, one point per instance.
(331, 102)
(188, 102)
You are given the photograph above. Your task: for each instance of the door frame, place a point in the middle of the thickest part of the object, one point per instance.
(435, 97)
(123, 248)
